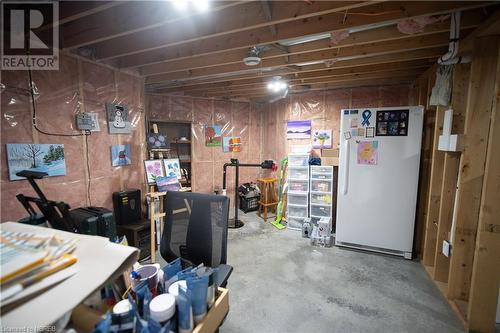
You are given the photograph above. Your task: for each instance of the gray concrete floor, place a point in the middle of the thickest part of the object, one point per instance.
(282, 284)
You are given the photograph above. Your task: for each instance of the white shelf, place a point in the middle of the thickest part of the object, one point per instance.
(328, 180)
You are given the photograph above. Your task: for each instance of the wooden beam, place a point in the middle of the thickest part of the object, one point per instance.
(297, 77)
(477, 121)
(461, 74)
(486, 269)
(391, 74)
(359, 51)
(130, 17)
(434, 197)
(266, 7)
(235, 56)
(374, 13)
(426, 54)
(240, 19)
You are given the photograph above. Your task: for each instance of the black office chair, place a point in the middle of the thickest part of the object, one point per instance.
(195, 230)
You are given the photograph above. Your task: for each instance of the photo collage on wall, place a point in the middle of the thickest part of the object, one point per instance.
(392, 123)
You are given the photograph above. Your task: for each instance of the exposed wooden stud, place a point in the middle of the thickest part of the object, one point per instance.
(434, 192)
(479, 105)
(461, 75)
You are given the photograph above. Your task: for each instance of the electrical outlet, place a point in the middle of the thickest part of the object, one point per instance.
(446, 248)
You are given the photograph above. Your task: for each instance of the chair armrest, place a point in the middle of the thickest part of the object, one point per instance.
(224, 271)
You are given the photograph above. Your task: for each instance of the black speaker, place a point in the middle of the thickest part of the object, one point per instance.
(127, 206)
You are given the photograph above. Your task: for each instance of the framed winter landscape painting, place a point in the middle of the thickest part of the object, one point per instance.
(298, 129)
(47, 158)
(118, 122)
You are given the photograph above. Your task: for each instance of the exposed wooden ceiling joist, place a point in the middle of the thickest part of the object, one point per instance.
(129, 18)
(363, 37)
(298, 76)
(387, 47)
(372, 14)
(236, 19)
(372, 60)
(326, 79)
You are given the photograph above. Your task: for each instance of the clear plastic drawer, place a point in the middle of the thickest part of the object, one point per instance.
(322, 169)
(298, 173)
(294, 223)
(322, 185)
(294, 211)
(298, 185)
(327, 176)
(298, 160)
(321, 199)
(321, 211)
(297, 199)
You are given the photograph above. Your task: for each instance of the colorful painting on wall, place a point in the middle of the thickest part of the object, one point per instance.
(120, 155)
(213, 136)
(322, 139)
(153, 169)
(47, 158)
(168, 183)
(298, 129)
(172, 167)
(118, 122)
(158, 141)
(231, 144)
(367, 152)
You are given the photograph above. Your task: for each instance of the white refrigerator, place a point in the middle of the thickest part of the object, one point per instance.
(378, 178)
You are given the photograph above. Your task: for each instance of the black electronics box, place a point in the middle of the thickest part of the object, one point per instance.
(139, 236)
(94, 221)
(127, 206)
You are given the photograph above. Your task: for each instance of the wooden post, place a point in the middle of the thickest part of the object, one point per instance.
(461, 75)
(486, 269)
(477, 123)
(434, 192)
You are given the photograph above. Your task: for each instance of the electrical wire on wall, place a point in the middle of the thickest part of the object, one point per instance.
(86, 133)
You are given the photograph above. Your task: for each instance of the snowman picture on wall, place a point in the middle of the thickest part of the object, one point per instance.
(118, 122)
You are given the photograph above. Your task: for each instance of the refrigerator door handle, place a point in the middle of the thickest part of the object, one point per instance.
(347, 153)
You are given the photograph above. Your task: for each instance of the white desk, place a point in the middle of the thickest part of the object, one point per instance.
(99, 261)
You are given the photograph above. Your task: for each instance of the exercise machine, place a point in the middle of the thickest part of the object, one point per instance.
(267, 164)
(84, 220)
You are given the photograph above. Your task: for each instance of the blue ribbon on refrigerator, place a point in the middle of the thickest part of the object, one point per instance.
(366, 117)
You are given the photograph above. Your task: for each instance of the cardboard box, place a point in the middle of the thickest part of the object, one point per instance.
(216, 314)
(330, 157)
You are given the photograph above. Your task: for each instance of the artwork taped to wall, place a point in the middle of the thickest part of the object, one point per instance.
(47, 158)
(231, 144)
(118, 122)
(298, 129)
(153, 170)
(120, 155)
(322, 139)
(213, 136)
(172, 167)
(367, 152)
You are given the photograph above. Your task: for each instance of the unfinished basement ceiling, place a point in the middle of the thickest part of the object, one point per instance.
(310, 44)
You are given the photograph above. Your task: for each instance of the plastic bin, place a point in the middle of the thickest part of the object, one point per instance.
(298, 173)
(294, 223)
(293, 211)
(327, 176)
(249, 204)
(298, 185)
(321, 185)
(321, 211)
(297, 199)
(322, 169)
(298, 160)
(320, 198)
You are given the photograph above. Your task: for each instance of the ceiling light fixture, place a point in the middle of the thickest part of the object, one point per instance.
(276, 85)
(199, 5)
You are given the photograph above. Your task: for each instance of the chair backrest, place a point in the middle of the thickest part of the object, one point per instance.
(195, 228)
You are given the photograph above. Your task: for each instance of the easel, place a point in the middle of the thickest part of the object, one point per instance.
(153, 215)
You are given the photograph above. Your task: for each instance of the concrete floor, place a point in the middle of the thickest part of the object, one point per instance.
(282, 284)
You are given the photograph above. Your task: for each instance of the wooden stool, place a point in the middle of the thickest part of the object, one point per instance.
(268, 195)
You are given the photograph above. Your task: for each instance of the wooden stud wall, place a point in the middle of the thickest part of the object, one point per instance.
(470, 277)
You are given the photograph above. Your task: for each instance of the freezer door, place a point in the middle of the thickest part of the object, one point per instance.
(376, 203)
